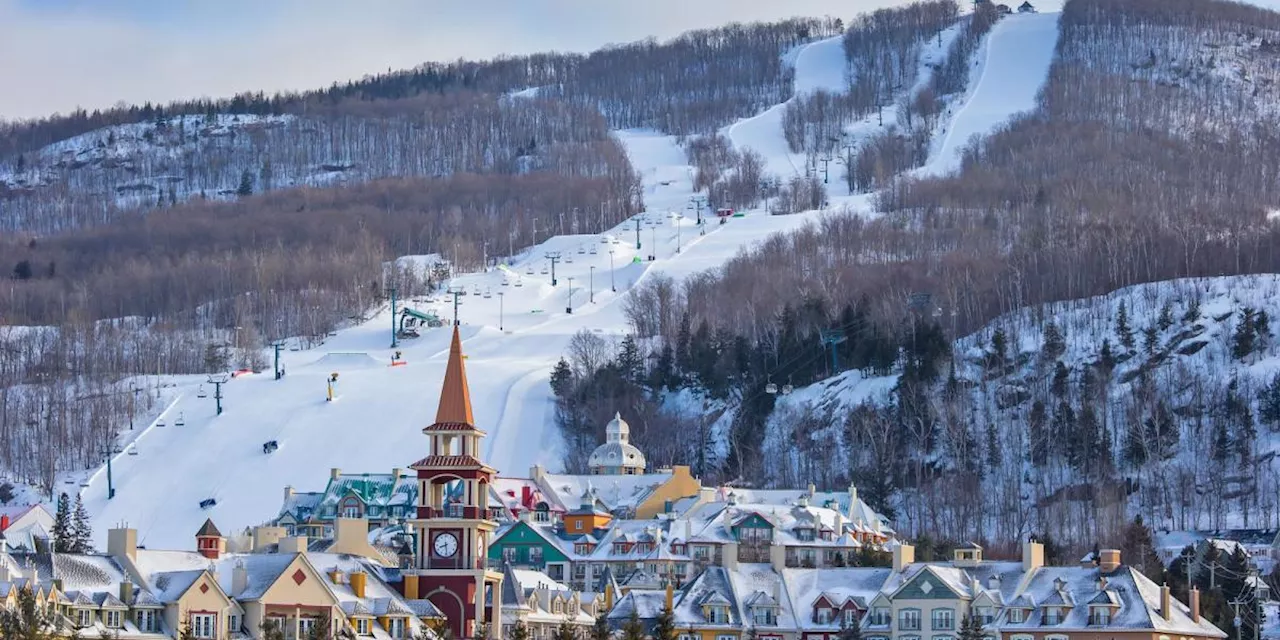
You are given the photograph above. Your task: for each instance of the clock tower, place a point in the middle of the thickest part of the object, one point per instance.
(453, 527)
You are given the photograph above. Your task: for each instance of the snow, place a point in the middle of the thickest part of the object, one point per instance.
(1012, 67)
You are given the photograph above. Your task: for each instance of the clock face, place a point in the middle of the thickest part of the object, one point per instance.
(445, 545)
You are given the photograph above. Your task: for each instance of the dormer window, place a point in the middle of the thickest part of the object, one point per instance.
(804, 534)
(678, 548)
(1017, 616)
(985, 615)
(557, 607)
(717, 614)
(823, 615)
(1053, 615)
(84, 617)
(1099, 616)
(880, 616)
(644, 547)
(764, 616)
(850, 616)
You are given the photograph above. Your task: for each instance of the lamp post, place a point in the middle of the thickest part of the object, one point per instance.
(500, 298)
(653, 240)
(591, 285)
(569, 309)
(678, 219)
(613, 287)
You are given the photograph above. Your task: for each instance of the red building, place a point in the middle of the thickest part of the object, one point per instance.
(453, 529)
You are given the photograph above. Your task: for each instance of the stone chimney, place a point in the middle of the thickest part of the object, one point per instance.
(1108, 560)
(410, 587)
(239, 579)
(335, 576)
(293, 544)
(671, 592)
(126, 591)
(1166, 603)
(288, 492)
(903, 555)
(1194, 604)
(1032, 556)
(853, 498)
(334, 473)
(536, 472)
(395, 473)
(123, 543)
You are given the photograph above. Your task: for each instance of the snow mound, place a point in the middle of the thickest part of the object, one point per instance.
(338, 360)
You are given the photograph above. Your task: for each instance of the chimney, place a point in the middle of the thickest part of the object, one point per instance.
(1108, 560)
(288, 492)
(536, 472)
(993, 582)
(903, 555)
(4, 523)
(410, 587)
(1166, 603)
(525, 515)
(395, 473)
(239, 579)
(126, 591)
(357, 579)
(778, 557)
(729, 556)
(293, 544)
(1194, 603)
(671, 593)
(335, 576)
(123, 543)
(4, 574)
(334, 473)
(803, 501)
(853, 498)
(1032, 556)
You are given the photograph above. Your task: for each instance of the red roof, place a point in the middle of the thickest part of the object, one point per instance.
(451, 427)
(451, 462)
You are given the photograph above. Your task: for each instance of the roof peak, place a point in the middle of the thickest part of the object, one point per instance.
(455, 397)
(208, 530)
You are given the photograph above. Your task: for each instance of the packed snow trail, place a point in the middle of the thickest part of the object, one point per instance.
(1012, 69)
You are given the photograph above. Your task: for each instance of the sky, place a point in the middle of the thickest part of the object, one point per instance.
(56, 55)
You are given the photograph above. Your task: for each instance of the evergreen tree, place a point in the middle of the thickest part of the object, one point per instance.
(1055, 344)
(6, 492)
(61, 531)
(520, 632)
(1220, 445)
(1106, 359)
(599, 630)
(999, 348)
(20, 166)
(684, 339)
(664, 628)
(1138, 548)
(1150, 339)
(320, 629)
(630, 362)
(1060, 378)
(562, 379)
(1166, 316)
(1262, 328)
(565, 631)
(81, 530)
(246, 184)
(632, 629)
(28, 620)
(1269, 403)
(1124, 333)
(266, 177)
(271, 630)
(1192, 313)
(1244, 337)
(993, 447)
(1037, 433)
(970, 628)
(851, 631)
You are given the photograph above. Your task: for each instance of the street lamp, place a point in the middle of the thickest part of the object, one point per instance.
(678, 219)
(653, 240)
(613, 286)
(500, 295)
(569, 309)
(592, 285)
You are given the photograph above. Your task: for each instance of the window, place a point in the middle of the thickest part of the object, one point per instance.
(1100, 615)
(555, 572)
(1017, 616)
(823, 615)
(985, 615)
(943, 638)
(113, 619)
(557, 607)
(764, 616)
(909, 620)
(718, 615)
(690, 636)
(943, 619)
(509, 554)
(701, 552)
(397, 627)
(202, 625)
(362, 626)
(351, 511)
(146, 620)
(677, 548)
(84, 617)
(804, 534)
(579, 571)
(880, 616)
(233, 623)
(726, 636)
(541, 514)
(1052, 615)
(535, 555)
(850, 617)
(305, 626)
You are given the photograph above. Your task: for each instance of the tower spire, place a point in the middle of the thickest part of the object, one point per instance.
(455, 397)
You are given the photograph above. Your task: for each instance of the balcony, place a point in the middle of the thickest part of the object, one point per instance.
(455, 511)
(454, 563)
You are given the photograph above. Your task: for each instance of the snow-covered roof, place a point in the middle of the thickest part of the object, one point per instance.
(170, 585)
(613, 491)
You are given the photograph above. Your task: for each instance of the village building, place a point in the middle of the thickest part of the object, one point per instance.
(532, 599)
(617, 456)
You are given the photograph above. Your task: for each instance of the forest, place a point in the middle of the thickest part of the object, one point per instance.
(1150, 158)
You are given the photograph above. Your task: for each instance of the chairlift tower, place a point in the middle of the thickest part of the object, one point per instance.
(279, 344)
(831, 338)
(217, 381)
(456, 292)
(554, 257)
(391, 291)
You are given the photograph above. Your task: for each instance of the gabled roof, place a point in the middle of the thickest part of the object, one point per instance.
(208, 530)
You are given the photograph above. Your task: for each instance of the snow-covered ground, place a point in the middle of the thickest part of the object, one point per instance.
(1012, 66)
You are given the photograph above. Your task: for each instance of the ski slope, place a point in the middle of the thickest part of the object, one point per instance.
(1012, 67)
(375, 422)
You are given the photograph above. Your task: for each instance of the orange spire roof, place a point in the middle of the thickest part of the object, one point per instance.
(455, 397)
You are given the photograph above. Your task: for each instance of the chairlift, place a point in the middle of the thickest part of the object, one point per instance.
(593, 250)
(544, 271)
(568, 259)
(787, 389)
(529, 271)
(519, 283)
(180, 421)
(581, 251)
(506, 283)
(771, 388)
(160, 423)
(201, 393)
(604, 239)
(133, 451)
(117, 450)
(84, 484)
(487, 294)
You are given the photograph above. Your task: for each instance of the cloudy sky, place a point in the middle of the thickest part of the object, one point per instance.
(57, 54)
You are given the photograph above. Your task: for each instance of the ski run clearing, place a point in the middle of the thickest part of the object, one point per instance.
(515, 325)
